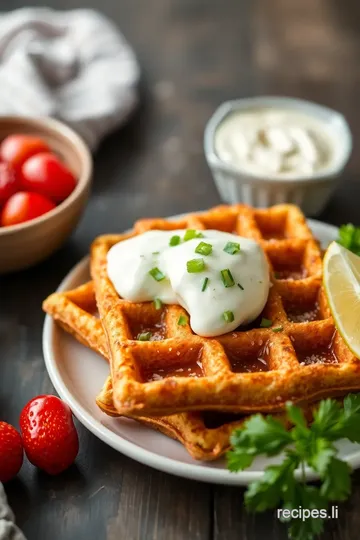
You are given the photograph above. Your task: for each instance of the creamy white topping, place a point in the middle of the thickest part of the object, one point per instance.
(275, 142)
(129, 263)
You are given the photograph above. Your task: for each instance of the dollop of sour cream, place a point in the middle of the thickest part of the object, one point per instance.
(221, 285)
(278, 143)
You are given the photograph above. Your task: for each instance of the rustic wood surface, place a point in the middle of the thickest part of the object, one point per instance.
(194, 54)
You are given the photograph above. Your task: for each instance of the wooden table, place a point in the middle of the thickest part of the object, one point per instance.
(194, 54)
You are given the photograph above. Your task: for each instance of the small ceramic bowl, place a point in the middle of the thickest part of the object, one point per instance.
(28, 243)
(310, 193)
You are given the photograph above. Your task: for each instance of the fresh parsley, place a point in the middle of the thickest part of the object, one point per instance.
(349, 237)
(303, 445)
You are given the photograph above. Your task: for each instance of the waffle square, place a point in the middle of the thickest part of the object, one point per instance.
(300, 357)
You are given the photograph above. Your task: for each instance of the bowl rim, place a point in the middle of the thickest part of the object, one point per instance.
(54, 126)
(308, 107)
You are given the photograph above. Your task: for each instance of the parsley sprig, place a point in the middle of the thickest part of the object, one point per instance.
(311, 446)
(349, 237)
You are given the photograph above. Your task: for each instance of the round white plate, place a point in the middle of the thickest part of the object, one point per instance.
(77, 373)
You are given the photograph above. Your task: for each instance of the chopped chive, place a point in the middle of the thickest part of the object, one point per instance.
(228, 316)
(144, 336)
(156, 252)
(265, 323)
(191, 233)
(203, 248)
(276, 275)
(227, 278)
(157, 303)
(241, 287)
(156, 274)
(195, 265)
(278, 329)
(174, 240)
(182, 321)
(232, 247)
(205, 283)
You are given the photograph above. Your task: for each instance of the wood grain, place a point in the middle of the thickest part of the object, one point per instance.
(194, 54)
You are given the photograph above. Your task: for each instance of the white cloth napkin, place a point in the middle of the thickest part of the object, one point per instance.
(8, 529)
(72, 65)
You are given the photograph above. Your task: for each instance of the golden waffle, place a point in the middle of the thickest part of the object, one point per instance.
(299, 358)
(205, 436)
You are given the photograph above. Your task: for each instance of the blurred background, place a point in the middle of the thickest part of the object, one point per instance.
(193, 55)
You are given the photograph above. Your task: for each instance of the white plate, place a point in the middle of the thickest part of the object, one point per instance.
(77, 373)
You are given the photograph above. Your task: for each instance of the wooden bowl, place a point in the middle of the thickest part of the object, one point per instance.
(28, 243)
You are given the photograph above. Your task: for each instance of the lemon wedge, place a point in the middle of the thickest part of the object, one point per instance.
(341, 277)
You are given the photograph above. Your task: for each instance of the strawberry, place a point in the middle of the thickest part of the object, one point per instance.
(50, 438)
(11, 452)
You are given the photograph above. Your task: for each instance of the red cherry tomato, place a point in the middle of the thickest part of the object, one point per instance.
(16, 149)
(9, 182)
(24, 206)
(46, 174)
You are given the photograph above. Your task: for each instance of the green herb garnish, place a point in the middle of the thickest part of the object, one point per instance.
(278, 329)
(195, 265)
(190, 234)
(265, 323)
(231, 248)
(349, 237)
(157, 303)
(227, 278)
(144, 336)
(203, 248)
(240, 287)
(156, 252)
(174, 240)
(311, 446)
(156, 274)
(182, 321)
(228, 316)
(205, 284)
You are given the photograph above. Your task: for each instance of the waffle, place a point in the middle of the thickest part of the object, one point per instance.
(205, 435)
(300, 357)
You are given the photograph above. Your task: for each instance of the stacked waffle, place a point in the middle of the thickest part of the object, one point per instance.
(196, 389)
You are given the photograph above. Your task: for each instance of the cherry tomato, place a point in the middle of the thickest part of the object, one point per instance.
(9, 182)
(24, 206)
(46, 174)
(16, 149)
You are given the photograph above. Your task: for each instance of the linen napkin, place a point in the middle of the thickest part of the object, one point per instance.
(8, 529)
(72, 65)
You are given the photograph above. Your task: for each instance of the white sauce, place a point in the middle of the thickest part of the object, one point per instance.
(281, 143)
(129, 263)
